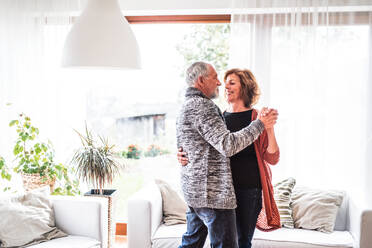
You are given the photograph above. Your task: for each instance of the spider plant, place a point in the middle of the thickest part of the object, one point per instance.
(95, 164)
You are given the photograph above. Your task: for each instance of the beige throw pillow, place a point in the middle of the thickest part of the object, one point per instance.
(27, 219)
(316, 209)
(174, 207)
(282, 196)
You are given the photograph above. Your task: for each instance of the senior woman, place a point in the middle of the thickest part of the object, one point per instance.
(250, 171)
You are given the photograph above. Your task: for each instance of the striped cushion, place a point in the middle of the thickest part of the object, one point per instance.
(282, 196)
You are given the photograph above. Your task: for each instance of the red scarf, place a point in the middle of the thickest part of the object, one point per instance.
(269, 218)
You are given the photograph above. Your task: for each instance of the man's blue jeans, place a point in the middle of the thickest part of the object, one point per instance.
(249, 203)
(220, 224)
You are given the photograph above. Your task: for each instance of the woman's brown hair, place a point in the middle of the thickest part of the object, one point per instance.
(250, 91)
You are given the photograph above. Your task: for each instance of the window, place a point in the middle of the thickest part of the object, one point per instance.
(139, 108)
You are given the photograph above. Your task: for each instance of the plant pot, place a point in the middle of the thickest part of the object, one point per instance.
(110, 195)
(34, 181)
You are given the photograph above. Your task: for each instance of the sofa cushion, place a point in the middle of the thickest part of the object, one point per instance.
(174, 207)
(170, 236)
(316, 209)
(69, 242)
(30, 214)
(291, 238)
(282, 196)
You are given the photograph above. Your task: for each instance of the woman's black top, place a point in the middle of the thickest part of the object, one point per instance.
(244, 166)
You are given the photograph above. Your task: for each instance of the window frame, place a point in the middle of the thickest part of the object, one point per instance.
(360, 18)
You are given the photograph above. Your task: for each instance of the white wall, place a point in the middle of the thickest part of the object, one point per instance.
(176, 6)
(169, 7)
(184, 7)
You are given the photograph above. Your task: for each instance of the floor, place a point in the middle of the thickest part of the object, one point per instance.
(120, 242)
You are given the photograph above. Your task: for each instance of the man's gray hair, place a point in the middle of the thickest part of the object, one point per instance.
(196, 70)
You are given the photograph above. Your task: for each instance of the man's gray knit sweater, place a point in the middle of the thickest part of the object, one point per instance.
(201, 131)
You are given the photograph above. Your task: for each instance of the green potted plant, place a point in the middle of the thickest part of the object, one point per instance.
(36, 161)
(4, 171)
(97, 164)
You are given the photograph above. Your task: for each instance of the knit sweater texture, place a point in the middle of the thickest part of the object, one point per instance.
(202, 133)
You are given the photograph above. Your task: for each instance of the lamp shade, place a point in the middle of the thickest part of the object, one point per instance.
(101, 37)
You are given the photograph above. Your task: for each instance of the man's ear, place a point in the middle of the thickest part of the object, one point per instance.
(201, 79)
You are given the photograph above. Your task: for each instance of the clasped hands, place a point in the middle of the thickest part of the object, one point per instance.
(268, 116)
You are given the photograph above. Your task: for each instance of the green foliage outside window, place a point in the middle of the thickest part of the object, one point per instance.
(154, 150)
(208, 43)
(133, 152)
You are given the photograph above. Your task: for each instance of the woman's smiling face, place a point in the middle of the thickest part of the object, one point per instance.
(232, 88)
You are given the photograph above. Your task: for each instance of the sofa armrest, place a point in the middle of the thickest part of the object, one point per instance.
(145, 213)
(83, 216)
(366, 229)
(360, 224)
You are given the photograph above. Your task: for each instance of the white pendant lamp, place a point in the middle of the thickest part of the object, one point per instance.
(101, 37)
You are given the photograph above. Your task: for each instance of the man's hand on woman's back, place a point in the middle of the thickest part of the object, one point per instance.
(182, 157)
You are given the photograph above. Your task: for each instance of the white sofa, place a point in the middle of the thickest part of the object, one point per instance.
(84, 219)
(353, 227)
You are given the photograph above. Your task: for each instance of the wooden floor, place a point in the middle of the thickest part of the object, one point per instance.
(120, 241)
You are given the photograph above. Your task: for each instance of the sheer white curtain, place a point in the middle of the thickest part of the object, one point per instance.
(32, 33)
(313, 62)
